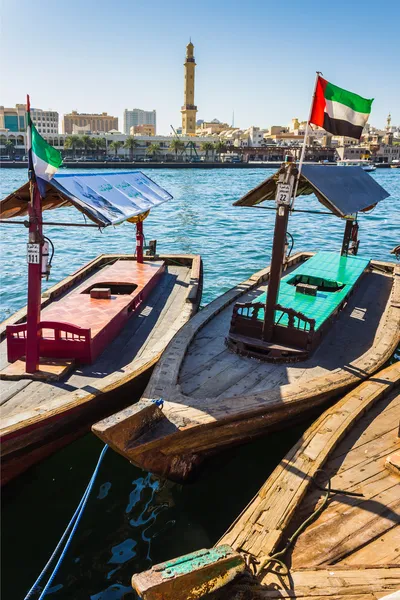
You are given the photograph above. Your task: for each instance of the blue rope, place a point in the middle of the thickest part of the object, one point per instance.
(73, 524)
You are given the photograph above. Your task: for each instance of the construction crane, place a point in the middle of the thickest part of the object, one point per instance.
(189, 145)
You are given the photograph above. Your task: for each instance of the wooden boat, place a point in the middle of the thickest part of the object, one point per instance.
(326, 523)
(252, 360)
(101, 330)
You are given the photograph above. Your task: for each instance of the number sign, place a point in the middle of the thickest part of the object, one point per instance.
(33, 254)
(283, 193)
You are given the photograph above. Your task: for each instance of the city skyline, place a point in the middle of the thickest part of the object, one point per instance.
(265, 74)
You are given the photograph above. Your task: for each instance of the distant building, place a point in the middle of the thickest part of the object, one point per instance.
(45, 121)
(78, 130)
(137, 116)
(142, 130)
(189, 109)
(13, 119)
(95, 122)
(210, 127)
(378, 152)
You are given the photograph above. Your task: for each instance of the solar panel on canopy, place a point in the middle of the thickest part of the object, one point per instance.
(106, 198)
(115, 196)
(344, 190)
(348, 189)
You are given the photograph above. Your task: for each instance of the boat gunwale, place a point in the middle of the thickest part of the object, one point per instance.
(275, 481)
(288, 393)
(33, 418)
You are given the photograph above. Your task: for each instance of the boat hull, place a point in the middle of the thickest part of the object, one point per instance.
(318, 521)
(213, 399)
(47, 422)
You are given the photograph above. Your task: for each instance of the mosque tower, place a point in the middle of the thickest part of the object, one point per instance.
(189, 109)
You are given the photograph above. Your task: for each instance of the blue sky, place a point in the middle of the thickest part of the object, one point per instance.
(256, 58)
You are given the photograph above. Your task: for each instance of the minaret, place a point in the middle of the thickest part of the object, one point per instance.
(189, 109)
(388, 122)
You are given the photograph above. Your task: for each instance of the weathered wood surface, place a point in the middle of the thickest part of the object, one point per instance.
(334, 583)
(36, 415)
(353, 547)
(214, 398)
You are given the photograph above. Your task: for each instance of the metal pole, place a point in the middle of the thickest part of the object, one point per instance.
(34, 281)
(303, 149)
(139, 242)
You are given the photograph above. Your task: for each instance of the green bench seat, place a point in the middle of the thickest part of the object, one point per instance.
(335, 276)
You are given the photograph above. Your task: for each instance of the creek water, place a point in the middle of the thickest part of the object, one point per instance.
(134, 519)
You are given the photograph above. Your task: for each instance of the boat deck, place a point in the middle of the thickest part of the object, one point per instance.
(79, 326)
(352, 548)
(337, 274)
(80, 309)
(214, 399)
(210, 368)
(138, 344)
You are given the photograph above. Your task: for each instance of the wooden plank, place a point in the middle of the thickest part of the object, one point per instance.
(288, 484)
(383, 550)
(59, 402)
(335, 583)
(348, 530)
(362, 349)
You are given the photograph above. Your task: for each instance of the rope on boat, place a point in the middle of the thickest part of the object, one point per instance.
(247, 585)
(278, 556)
(70, 529)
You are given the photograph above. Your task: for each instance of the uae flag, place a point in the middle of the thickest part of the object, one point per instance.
(43, 159)
(338, 111)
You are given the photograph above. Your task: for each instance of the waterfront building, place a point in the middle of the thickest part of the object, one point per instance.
(277, 153)
(13, 119)
(189, 109)
(45, 121)
(137, 116)
(142, 130)
(210, 127)
(95, 122)
(378, 152)
(165, 153)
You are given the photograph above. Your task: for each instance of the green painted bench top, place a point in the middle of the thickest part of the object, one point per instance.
(329, 271)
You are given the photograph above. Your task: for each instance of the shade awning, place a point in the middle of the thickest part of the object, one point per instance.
(105, 198)
(343, 190)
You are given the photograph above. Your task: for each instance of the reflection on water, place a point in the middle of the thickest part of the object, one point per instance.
(134, 519)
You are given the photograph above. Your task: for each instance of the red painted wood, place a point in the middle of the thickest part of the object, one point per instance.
(34, 283)
(80, 327)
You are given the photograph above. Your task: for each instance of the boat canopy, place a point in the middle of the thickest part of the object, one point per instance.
(105, 198)
(342, 191)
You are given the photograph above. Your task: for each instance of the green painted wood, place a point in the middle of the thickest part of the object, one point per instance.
(327, 269)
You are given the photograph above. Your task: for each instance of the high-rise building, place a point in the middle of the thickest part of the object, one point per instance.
(137, 116)
(189, 109)
(45, 121)
(96, 122)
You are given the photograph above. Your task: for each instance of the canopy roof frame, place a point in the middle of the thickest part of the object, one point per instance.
(107, 199)
(342, 190)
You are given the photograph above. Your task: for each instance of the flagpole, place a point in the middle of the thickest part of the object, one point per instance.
(34, 256)
(303, 149)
